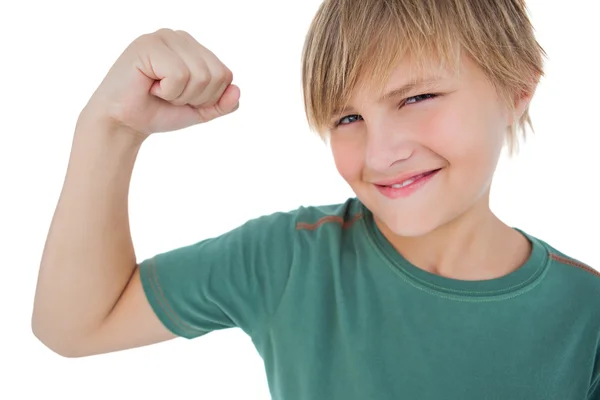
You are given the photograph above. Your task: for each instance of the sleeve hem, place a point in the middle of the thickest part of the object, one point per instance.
(160, 305)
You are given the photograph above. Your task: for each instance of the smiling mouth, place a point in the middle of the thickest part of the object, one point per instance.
(408, 187)
(411, 180)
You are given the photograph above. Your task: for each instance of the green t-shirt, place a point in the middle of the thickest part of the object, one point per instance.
(336, 313)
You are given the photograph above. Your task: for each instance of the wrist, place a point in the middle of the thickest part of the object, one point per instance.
(100, 146)
(91, 127)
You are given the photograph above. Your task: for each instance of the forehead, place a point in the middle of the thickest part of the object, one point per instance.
(412, 72)
(426, 73)
(403, 78)
(409, 78)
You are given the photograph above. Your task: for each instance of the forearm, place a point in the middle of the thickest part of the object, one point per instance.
(89, 256)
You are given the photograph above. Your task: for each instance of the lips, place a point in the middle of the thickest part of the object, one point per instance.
(407, 179)
(406, 187)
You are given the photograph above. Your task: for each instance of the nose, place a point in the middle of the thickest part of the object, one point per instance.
(386, 145)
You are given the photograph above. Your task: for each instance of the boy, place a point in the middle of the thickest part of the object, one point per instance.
(411, 290)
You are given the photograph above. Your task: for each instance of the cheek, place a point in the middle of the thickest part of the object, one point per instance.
(468, 137)
(348, 155)
(465, 133)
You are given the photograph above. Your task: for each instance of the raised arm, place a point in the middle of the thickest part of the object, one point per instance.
(89, 298)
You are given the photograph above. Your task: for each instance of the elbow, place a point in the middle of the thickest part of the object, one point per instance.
(58, 344)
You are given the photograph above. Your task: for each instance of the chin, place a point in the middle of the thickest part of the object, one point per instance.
(408, 227)
(407, 218)
(418, 221)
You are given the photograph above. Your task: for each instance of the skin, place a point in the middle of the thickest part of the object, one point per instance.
(89, 298)
(446, 227)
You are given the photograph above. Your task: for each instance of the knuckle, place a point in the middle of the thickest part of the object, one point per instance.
(223, 76)
(163, 31)
(148, 39)
(181, 74)
(219, 109)
(199, 75)
(226, 75)
(165, 35)
(202, 76)
(184, 33)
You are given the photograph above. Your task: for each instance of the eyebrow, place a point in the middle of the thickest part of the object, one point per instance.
(399, 92)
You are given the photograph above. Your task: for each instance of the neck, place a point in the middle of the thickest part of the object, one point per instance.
(474, 246)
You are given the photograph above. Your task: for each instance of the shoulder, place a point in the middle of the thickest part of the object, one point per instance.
(292, 230)
(561, 259)
(573, 277)
(576, 286)
(571, 265)
(336, 216)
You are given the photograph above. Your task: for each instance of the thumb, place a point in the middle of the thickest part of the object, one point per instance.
(228, 103)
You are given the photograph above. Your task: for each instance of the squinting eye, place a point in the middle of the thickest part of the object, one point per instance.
(419, 97)
(410, 100)
(348, 120)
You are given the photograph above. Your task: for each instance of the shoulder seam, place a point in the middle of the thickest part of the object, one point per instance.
(329, 218)
(573, 263)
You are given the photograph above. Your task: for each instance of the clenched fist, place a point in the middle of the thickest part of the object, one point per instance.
(164, 81)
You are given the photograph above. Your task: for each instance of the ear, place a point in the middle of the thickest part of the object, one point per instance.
(521, 104)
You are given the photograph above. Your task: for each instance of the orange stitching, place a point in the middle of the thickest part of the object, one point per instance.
(160, 296)
(574, 263)
(329, 218)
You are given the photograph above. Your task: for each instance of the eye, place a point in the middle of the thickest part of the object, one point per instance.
(419, 98)
(348, 120)
(408, 101)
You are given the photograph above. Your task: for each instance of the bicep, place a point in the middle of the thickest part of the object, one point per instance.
(232, 280)
(131, 323)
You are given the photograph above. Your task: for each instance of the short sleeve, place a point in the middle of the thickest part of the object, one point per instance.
(233, 280)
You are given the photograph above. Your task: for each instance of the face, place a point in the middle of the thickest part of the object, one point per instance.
(454, 125)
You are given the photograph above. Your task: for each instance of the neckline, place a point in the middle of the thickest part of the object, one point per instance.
(521, 279)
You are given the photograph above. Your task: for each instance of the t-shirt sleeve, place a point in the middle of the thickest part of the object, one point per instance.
(233, 280)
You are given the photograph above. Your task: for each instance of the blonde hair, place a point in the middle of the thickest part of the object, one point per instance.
(350, 39)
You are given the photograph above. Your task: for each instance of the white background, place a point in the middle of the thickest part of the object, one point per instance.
(208, 179)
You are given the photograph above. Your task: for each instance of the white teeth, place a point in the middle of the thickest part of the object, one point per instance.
(405, 183)
(408, 181)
